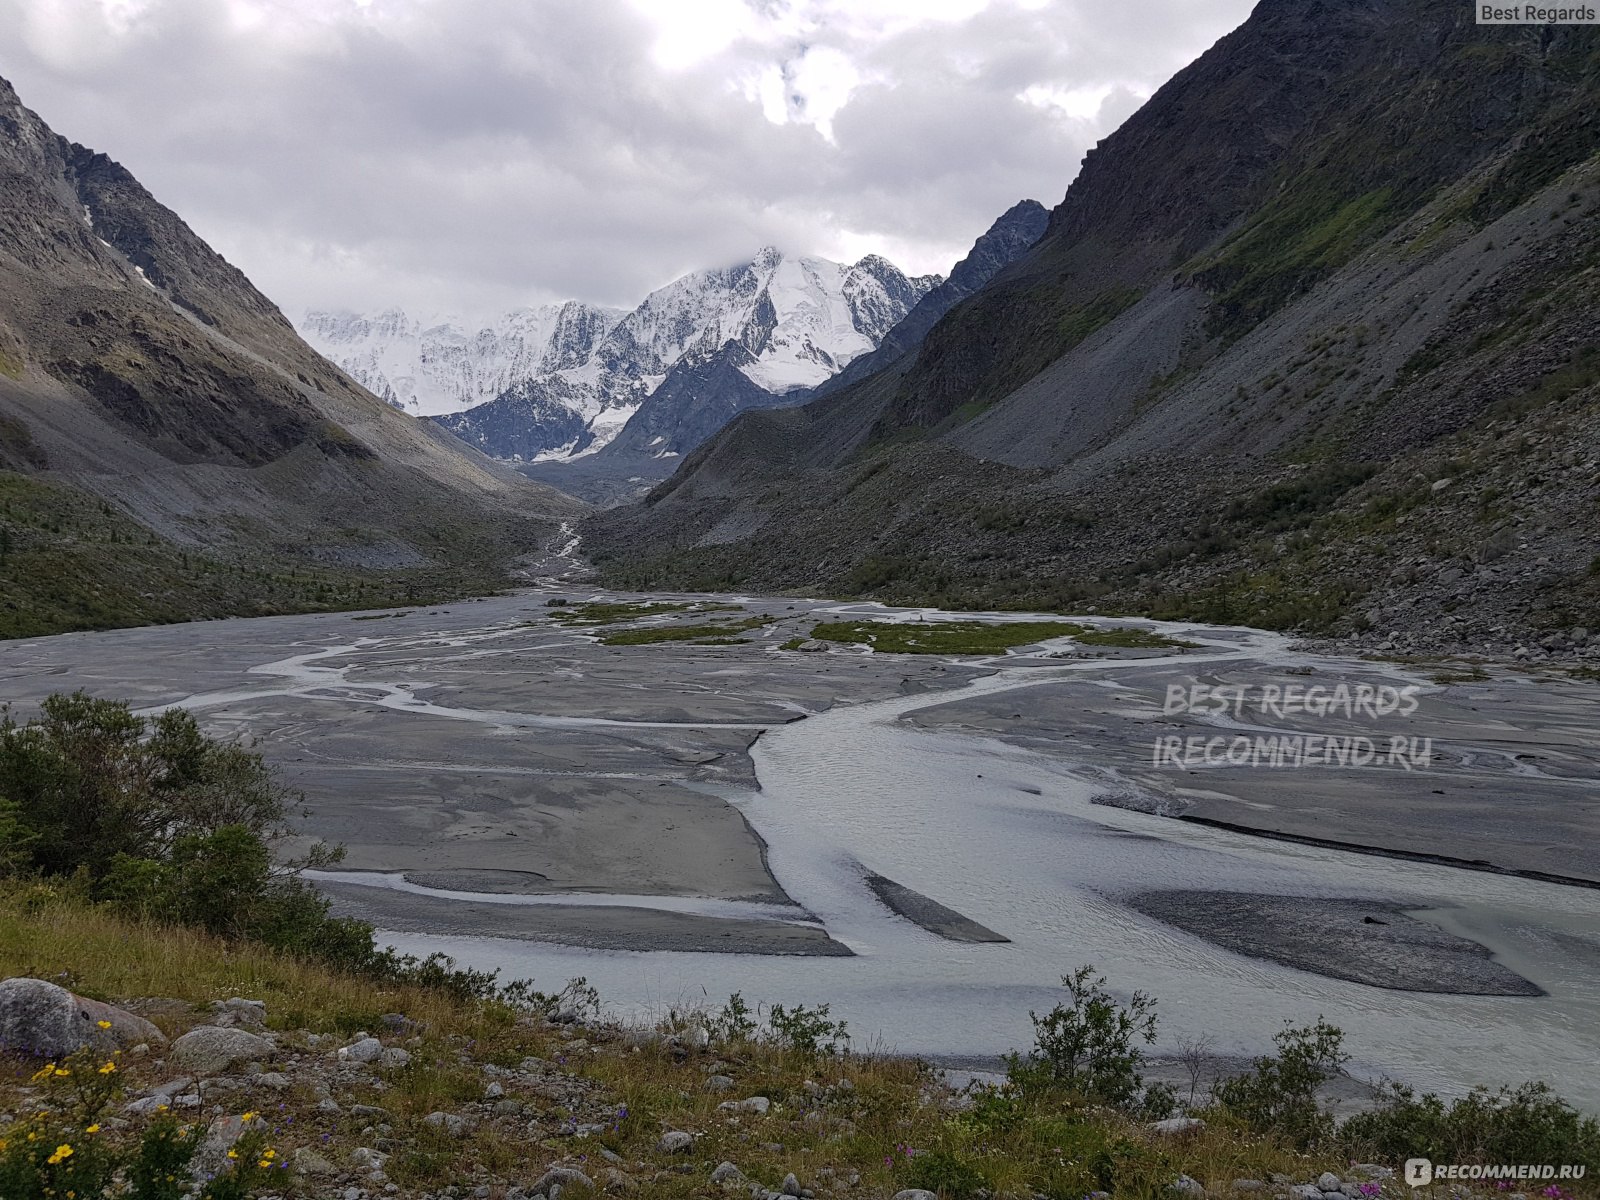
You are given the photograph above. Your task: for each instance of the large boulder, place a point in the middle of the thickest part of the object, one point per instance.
(45, 1020)
(212, 1049)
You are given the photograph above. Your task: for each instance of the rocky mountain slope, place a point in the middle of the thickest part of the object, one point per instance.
(782, 324)
(169, 447)
(1309, 343)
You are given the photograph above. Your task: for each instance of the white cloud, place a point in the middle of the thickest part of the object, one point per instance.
(475, 154)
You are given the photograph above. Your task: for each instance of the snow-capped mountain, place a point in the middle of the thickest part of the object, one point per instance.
(439, 364)
(562, 381)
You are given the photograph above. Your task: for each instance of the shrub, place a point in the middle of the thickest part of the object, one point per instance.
(807, 1032)
(1279, 1096)
(945, 1173)
(1088, 1046)
(1529, 1124)
(68, 1146)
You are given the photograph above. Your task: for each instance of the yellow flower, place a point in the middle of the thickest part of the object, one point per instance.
(61, 1072)
(44, 1072)
(269, 1153)
(108, 1068)
(92, 1129)
(104, 1024)
(264, 1164)
(249, 1116)
(63, 1152)
(233, 1154)
(161, 1108)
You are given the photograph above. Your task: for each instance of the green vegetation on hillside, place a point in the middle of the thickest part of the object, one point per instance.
(70, 562)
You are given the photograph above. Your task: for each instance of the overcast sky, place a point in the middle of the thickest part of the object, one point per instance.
(475, 155)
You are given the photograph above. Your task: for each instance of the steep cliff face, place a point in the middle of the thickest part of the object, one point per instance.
(1347, 250)
(148, 388)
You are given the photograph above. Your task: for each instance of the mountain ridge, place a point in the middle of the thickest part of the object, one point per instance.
(1220, 378)
(169, 447)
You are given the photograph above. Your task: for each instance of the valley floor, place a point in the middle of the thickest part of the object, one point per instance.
(682, 797)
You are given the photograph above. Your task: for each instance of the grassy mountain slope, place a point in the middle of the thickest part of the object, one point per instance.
(1345, 256)
(169, 447)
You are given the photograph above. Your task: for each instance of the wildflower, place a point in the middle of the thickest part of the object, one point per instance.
(1372, 1189)
(93, 1129)
(233, 1154)
(108, 1069)
(249, 1116)
(63, 1152)
(61, 1072)
(103, 1024)
(44, 1072)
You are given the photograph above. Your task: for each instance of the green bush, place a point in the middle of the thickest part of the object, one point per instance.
(1529, 1124)
(165, 823)
(1087, 1046)
(807, 1032)
(945, 1173)
(69, 1146)
(1279, 1095)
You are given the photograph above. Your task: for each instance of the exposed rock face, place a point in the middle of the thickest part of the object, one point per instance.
(44, 1020)
(156, 384)
(1343, 256)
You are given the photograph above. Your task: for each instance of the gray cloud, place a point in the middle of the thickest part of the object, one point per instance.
(475, 154)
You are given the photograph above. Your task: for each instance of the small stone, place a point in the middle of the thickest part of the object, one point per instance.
(1186, 1186)
(1177, 1126)
(454, 1125)
(676, 1142)
(394, 1057)
(1329, 1182)
(727, 1173)
(329, 1105)
(915, 1194)
(364, 1050)
(790, 1186)
(562, 1177)
(1305, 1191)
(720, 1083)
(494, 1092)
(758, 1105)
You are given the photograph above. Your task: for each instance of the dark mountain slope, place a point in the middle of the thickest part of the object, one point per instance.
(1345, 256)
(151, 399)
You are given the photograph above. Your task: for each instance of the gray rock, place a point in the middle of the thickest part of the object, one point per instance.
(494, 1091)
(1249, 1185)
(43, 1020)
(1177, 1126)
(221, 1136)
(563, 1177)
(1329, 1182)
(1305, 1191)
(370, 1111)
(365, 1050)
(329, 1105)
(676, 1142)
(757, 1105)
(727, 1173)
(790, 1186)
(212, 1049)
(394, 1056)
(1185, 1186)
(508, 1108)
(454, 1125)
(252, 1014)
(719, 1083)
(915, 1194)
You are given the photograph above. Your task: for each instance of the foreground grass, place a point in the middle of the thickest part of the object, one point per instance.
(884, 1122)
(979, 637)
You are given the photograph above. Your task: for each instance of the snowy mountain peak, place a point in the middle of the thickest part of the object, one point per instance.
(573, 374)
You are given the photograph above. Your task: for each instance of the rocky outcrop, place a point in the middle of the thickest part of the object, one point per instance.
(43, 1020)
